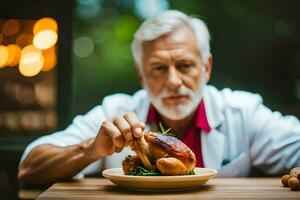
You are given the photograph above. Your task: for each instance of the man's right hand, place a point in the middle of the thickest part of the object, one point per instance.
(115, 134)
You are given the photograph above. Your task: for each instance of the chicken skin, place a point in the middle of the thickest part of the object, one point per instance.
(161, 152)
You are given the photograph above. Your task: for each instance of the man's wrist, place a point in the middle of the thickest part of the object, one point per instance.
(87, 148)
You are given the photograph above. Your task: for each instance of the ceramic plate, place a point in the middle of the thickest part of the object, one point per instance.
(159, 183)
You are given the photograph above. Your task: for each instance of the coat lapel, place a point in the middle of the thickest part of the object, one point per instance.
(213, 142)
(212, 148)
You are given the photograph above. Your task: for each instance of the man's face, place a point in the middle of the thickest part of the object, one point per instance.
(173, 73)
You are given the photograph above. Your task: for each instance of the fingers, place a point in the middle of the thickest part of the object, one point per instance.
(124, 127)
(115, 134)
(121, 130)
(119, 149)
(136, 126)
(143, 125)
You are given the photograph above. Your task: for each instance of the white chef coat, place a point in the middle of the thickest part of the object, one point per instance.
(244, 133)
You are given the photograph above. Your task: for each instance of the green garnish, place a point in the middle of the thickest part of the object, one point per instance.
(192, 173)
(165, 132)
(142, 171)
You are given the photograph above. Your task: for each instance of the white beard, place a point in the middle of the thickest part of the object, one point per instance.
(179, 111)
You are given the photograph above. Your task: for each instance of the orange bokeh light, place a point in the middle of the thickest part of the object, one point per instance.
(24, 40)
(11, 27)
(45, 23)
(50, 59)
(45, 39)
(14, 52)
(29, 48)
(3, 55)
(1, 38)
(33, 52)
(31, 62)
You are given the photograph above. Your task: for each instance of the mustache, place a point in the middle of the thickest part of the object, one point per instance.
(182, 91)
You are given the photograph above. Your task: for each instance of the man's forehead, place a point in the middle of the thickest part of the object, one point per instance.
(175, 55)
(182, 36)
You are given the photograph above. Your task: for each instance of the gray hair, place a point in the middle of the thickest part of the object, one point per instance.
(163, 24)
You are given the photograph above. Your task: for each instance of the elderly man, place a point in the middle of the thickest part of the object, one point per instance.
(230, 131)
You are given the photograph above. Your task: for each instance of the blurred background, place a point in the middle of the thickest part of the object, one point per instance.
(59, 59)
(255, 46)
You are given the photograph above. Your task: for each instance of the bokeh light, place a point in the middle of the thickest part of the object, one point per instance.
(14, 53)
(88, 9)
(12, 120)
(83, 46)
(33, 48)
(51, 121)
(3, 55)
(25, 105)
(149, 8)
(45, 23)
(24, 40)
(29, 48)
(45, 39)
(32, 121)
(44, 95)
(1, 38)
(50, 59)
(11, 27)
(31, 62)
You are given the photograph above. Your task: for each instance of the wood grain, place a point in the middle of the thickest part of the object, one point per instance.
(218, 188)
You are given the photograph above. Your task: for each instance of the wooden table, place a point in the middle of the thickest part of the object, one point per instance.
(217, 188)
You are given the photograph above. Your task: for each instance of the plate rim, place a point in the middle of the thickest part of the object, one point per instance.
(106, 173)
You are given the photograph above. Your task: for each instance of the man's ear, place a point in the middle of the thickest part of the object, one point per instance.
(208, 68)
(139, 74)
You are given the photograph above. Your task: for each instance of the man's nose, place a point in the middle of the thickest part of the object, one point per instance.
(174, 81)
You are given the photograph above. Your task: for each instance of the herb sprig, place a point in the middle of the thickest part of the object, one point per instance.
(165, 132)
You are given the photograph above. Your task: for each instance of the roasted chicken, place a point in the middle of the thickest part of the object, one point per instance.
(157, 151)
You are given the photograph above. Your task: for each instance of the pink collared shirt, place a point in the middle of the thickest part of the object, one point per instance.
(192, 138)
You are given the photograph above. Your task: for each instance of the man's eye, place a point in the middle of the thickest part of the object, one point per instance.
(184, 67)
(160, 68)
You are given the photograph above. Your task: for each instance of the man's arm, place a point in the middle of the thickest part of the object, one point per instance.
(59, 155)
(46, 164)
(275, 146)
